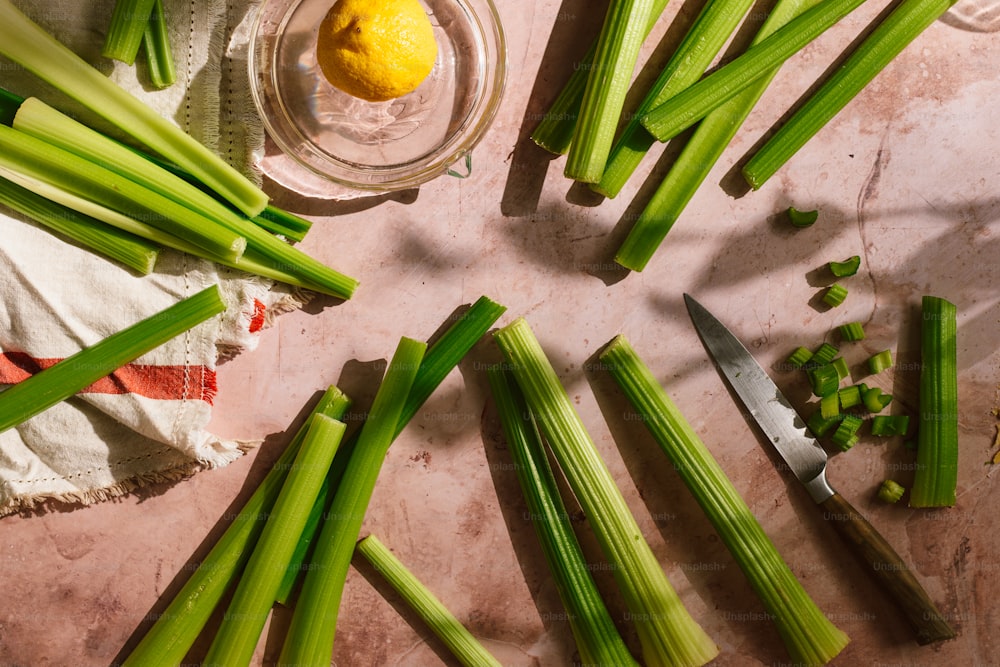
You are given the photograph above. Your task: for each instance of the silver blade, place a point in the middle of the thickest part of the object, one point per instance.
(767, 405)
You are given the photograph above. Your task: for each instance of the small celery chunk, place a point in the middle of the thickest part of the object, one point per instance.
(890, 491)
(846, 268)
(802, 218)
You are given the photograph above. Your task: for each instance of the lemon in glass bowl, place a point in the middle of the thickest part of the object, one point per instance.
(376, 144)
(376, 50)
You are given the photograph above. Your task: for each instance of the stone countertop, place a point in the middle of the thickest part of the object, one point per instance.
(905, 177)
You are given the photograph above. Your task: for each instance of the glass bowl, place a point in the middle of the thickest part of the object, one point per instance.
(379, 146)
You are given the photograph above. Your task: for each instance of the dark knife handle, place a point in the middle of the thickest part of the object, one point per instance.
(889, 570)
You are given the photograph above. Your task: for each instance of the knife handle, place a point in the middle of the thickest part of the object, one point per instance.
(889, 570)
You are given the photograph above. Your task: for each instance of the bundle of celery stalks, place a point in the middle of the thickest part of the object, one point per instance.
(584, 119)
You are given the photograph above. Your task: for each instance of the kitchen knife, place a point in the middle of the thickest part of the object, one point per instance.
(806, 458)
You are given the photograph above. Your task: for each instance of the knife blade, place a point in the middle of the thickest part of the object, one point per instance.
(805, 457)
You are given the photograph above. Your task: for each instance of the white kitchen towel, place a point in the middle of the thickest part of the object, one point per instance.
(148, 421)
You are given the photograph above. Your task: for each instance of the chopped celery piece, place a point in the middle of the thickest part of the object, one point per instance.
(880, 361)
(852, 331)
(695, 102)
(170, 638)
(35, 158)
(849, 397)
(824, 380)
(841, 365)
(607, 83)
(156, 44)
(808, 634)
(936, 477)
(875, 399)
(710, 139)
(889, 425)
(53, 127)
(242, 624)
(667, 632)
(835, 295)
(469, 651)
(846, 268)
(132, 251)
(907, 20)
(441, 358)
(555, 131)
(597, 638)
(820, 425)
(890, 491)
(846, 434)
(314, 622)
(824, 354)
(41, 391)
(800, 357)
(802, 218)
(129, 19)
(829, 406)
(27, 44)
(713, 27)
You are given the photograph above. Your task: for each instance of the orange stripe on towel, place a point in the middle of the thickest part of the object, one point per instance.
(158, 382)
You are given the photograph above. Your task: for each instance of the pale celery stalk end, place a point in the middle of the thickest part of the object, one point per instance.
(469, 651)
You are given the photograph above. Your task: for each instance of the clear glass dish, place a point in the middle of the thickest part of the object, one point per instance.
(378, 146)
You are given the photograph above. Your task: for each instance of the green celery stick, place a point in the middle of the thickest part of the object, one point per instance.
(890, 37)
(707, 36)
(699, 155)
(695, 102)
(170, 638)
(41, 391)
(314, 621)
(607, 84)
(469, 651)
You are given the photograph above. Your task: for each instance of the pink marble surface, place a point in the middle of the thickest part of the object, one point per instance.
(905, 177)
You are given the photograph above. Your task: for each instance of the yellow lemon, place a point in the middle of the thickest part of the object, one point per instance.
(376, 49)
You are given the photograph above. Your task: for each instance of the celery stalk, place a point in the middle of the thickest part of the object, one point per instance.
(129, 19)
(250, 262)
(23, 153)
(711, 30)
(667, 632)
(27, 44)
(314, 621)
(41, 391)
(607, 83)
(936, 477)
(702, 151)
(469, 651)
(176, 629)
(555, 131)
(280, 221)
(906, 21)
(132, 251)
(441, 358)
(242, 625)
(810, 637)
(695, 102)
(597, 638)
(51, 126)
(156, 45)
